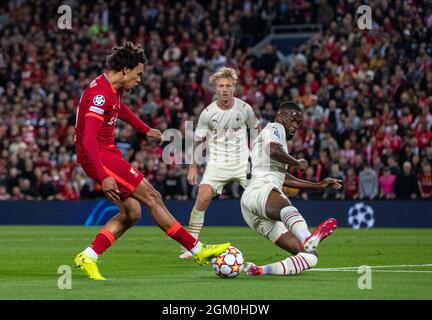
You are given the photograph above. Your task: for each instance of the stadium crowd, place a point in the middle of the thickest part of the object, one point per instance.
(366, 94)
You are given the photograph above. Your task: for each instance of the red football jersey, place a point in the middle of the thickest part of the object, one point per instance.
(99, 107)
(101, 101)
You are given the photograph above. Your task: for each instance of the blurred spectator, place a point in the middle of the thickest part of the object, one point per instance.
(12, 180)
(325, 14)
(46, 190)
(16, 194)
(3, 193)
(172, 185)
(406, 183)
(337, 174)
(367, 94)
(387, 183)
(351, 185)
(67, 193)
(393, 166)
(348, 152)
(309, 194)
(368, 183)
(425, 182)
(159, 183)
(358, 164)
(27, 190)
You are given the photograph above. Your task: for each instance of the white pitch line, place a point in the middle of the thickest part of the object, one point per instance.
(389, 271)
(388, 266)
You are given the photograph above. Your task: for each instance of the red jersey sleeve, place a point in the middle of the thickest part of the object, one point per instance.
(128, 116)
(96, 104)
(92, 125)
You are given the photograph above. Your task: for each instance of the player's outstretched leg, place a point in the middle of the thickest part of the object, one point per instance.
(152, 199)
(130, 213)
(324, 229)
(290, 266)
(196, 220)
(294, 221)
(88, 266)
(296, 264)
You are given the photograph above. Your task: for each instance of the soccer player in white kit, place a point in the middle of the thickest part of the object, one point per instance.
(223, 124)
(268, 211)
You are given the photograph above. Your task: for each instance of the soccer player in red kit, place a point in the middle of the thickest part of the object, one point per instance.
(99, 108)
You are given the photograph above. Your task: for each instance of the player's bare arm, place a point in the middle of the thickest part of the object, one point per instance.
(193, 168)
(155, 133)
(293, 182)
(278, 153)
(108, 183)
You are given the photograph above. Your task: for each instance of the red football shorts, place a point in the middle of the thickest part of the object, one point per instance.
(126, 176)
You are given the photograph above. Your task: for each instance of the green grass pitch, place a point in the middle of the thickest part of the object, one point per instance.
(144, 264)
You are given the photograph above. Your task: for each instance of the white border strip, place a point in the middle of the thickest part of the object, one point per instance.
(355, 269)
(388, 266)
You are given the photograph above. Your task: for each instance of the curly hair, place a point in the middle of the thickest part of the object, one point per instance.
(289, 105)
(128, 56)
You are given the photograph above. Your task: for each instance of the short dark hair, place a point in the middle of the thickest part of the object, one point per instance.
(127, 55)
(289, 105)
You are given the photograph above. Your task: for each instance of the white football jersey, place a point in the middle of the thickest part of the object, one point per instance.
(226, 131)
(264, 169)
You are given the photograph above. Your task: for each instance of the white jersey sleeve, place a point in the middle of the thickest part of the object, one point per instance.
(251, 119)
(203, 126)
(265, 169)
(275, 133)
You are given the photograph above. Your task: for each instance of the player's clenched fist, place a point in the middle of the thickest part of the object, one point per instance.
(192, 175)
(155, 133)
(109, 187)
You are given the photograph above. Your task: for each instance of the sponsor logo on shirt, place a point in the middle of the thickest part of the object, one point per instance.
(97, 110)
(112, 120)
(99, 100)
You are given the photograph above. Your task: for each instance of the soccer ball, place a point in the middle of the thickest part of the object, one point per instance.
(228, 264)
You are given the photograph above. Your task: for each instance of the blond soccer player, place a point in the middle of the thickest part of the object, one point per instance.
(222, 125)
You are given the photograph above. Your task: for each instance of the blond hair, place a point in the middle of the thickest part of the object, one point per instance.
(224, 72)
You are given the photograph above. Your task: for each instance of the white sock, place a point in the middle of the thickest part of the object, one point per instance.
(195, 249)
(89, 252)
(196, 222)
(295, 222)
(292, 265)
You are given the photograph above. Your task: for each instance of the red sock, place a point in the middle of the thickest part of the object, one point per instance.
(178, 233)
(103, 241)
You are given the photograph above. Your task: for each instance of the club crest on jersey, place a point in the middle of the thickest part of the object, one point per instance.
(132, 170)
(99, 100)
